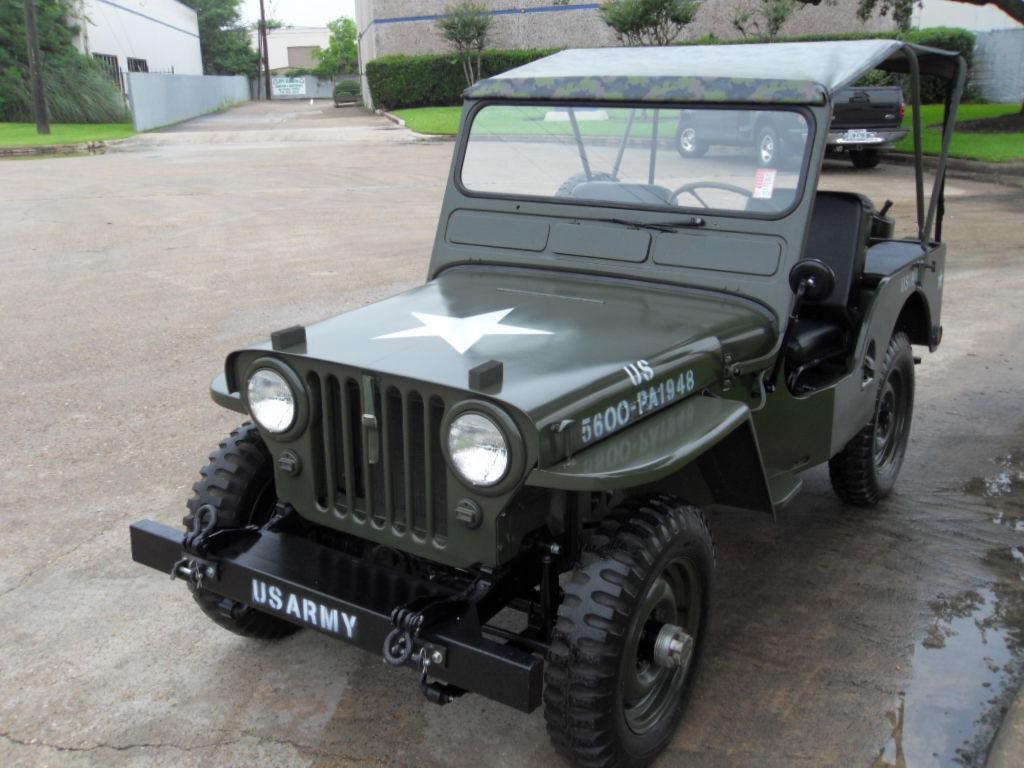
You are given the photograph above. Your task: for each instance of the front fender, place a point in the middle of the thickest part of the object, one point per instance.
(661, 446)
(224, 397)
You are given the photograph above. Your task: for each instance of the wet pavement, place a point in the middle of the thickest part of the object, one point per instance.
(842, 637)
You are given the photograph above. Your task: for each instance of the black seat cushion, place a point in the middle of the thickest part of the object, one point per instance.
(814, 339)
(838, 235)
(891, 256)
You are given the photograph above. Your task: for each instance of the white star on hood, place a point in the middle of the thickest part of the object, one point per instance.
(463, 332)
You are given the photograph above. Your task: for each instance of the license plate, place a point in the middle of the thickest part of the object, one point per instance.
(859, 135)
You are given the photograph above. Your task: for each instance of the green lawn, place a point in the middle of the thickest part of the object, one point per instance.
(24, 134)
(436, 121)
(991, 147)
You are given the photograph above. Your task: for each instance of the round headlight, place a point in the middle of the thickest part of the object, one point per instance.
(271, 400)
(478, 449)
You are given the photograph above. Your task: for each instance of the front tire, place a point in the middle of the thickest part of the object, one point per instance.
(865, 471)
(238, 487)
(606, 702)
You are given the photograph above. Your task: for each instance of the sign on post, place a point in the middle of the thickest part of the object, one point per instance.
(288, 86)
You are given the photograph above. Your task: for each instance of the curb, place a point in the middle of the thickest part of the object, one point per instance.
(1008, 174)
(1007, 750)
(393, 118)
(84, 148)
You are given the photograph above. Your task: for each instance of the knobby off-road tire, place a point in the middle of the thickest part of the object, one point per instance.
(238, 484)
(865, 471)
(654, 559)
(570, 184)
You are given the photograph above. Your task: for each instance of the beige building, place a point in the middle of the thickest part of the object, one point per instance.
(409, 26)
(292, 47)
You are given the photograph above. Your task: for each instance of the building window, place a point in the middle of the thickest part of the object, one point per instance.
(109, 64)
(301, 57)
(138, 65)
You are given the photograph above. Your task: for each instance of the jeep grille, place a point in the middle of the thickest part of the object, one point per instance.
(404, 491)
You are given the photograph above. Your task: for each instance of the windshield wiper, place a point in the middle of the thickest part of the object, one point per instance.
(657, 226)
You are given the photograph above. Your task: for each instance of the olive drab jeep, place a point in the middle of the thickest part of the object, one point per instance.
(613, 337)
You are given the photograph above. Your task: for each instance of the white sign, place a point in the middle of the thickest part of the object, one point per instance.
(288, 86)
(764, 183)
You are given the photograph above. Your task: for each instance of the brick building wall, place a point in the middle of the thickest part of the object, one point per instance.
(408, 26)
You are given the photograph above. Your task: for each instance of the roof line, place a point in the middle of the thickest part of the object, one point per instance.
(150, 18)
(499, 12)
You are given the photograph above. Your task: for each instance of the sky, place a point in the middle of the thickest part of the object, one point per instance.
(299, 13)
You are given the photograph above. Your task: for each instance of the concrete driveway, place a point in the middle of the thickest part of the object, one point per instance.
(844, 637)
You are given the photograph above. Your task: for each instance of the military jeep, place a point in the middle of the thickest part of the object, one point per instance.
(499, 479)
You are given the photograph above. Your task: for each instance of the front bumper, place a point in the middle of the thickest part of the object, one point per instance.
(306, 583)
(876, 139)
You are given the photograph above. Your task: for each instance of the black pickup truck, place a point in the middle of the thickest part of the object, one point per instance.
(865, 121)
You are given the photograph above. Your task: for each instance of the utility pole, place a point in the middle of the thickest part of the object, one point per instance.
(266, 58)
(35, 67)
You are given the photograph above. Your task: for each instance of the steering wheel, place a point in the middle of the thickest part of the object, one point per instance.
(691, 188)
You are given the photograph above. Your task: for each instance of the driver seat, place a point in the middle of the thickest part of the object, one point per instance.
(838, 235)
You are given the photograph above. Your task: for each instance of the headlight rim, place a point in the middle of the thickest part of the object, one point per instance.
(513, 439)
(298, 425)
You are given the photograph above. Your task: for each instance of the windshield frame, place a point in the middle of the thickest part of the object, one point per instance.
(663, 210)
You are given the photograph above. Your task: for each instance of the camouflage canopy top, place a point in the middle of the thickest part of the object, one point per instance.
(780, 73)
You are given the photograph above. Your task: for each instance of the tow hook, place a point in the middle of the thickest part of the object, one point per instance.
(403, 643)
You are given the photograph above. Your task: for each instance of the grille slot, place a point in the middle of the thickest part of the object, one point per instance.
(405, 490)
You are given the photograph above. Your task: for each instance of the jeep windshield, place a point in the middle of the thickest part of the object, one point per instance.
(705, 159)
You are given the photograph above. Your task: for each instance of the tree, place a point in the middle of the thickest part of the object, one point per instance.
(765, 18)
(903, 10)
(224, 41)
(341, 55)
(648, 22)
(466, 27)
(78, 90)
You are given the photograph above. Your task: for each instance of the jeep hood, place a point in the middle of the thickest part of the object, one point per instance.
(561, 339)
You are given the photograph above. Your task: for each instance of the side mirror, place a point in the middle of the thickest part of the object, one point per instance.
(812, 279)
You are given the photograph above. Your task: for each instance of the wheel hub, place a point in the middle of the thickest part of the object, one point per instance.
(673, 647)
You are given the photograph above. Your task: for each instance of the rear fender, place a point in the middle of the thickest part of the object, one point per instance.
(909, 300)
(703, 449)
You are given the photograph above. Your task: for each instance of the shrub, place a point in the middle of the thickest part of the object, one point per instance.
(347, 88)
(77, 88)
(435, 80)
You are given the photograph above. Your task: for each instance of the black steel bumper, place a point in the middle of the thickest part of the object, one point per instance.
(315, 586)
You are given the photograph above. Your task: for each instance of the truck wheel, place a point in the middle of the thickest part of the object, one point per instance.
(865, 471)
(238, 485)
(612, 696)
(865, 158)
(768, 147)
(688, 144)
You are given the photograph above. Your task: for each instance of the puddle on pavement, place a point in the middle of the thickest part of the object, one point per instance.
(1002, 490)
(970, 663)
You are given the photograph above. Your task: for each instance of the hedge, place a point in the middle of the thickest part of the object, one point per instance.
(398, 82)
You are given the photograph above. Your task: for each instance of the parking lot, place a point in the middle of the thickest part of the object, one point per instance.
(885, 637)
